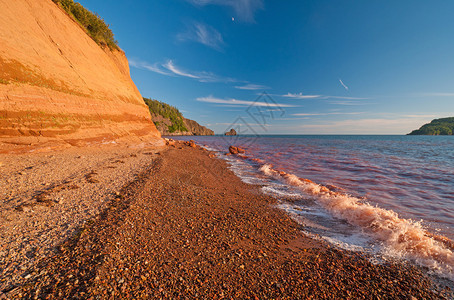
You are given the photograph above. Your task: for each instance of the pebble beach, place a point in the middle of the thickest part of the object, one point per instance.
(183, 226)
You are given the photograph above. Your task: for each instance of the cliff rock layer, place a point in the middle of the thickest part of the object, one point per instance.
(57, 84)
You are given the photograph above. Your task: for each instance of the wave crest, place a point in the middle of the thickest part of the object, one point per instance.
(403, 237)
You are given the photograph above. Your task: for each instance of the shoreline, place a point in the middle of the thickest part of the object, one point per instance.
(187, 226)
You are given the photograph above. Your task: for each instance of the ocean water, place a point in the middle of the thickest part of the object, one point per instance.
(391, 196)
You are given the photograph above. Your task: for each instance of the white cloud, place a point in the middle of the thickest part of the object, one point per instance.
(157, 68)
(420, 116)
(343, 84)
(326, 114)
(300, 96)
(252, 87)
(346, 98)
(169, 68)
(307, 115)
(244, 9)
(322, 97)
(439, 94)
(211, 99)
(349, 103)
(400, 125)
(204, 34)
(174, 69)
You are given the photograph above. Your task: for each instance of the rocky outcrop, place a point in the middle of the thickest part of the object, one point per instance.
(58, 85)
(197, 129)
(231, 132)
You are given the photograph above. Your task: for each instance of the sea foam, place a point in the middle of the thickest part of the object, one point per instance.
(402, 237)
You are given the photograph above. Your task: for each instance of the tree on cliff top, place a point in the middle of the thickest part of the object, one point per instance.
(94, 25)
(167, 111)
(444, 126)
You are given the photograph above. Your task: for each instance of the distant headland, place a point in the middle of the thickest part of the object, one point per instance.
(169, 120)
(444, 126)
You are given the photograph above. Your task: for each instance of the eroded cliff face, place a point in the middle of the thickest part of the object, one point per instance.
(58, 85)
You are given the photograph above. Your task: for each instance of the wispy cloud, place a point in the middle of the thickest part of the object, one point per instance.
(169, 68)
(156, 67)
(349, 103)
(300, 96)
(204, 34)
(438, 94)
(346, 98)
(231, 101)
(420, 116)
(400, 125)
(326, 114)
(252, 87)
(343, 84)
(169, 65)
(244, 9)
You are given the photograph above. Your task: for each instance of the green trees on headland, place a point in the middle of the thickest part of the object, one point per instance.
(444, 126)
(169, 112)
(95, 26)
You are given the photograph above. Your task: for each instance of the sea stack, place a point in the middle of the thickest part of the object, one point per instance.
(231, 132)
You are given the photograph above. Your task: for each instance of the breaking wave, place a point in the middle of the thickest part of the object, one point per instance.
(402, 237)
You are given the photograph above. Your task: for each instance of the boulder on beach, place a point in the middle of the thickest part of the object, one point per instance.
(190, 143)
(236, 150)
(233, 150)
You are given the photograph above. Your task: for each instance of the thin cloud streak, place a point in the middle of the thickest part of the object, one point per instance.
(169, 68)
(245, 9)
(343, 84)
(321, 97)
(252, 87)
(439, 94)
(203, 34)
(156, 68)
(400, 125)
(326, 114)
(236, 102)
(174, 69)
(349, 103)
(300, 96)
(346, 98)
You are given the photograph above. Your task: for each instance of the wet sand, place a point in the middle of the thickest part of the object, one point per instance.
(188, 228)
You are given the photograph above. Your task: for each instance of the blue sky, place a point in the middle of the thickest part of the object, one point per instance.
(327, 67)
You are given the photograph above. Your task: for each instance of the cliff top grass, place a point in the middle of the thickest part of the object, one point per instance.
(167, 111)
(94, 25)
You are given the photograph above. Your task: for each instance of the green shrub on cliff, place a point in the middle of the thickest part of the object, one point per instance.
(444, 126)
(95, 26)
(169, 112)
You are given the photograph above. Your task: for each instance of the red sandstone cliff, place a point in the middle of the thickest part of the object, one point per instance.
(57, 84)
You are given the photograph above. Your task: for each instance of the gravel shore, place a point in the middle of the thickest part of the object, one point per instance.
(186, 227)
(47, 197)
